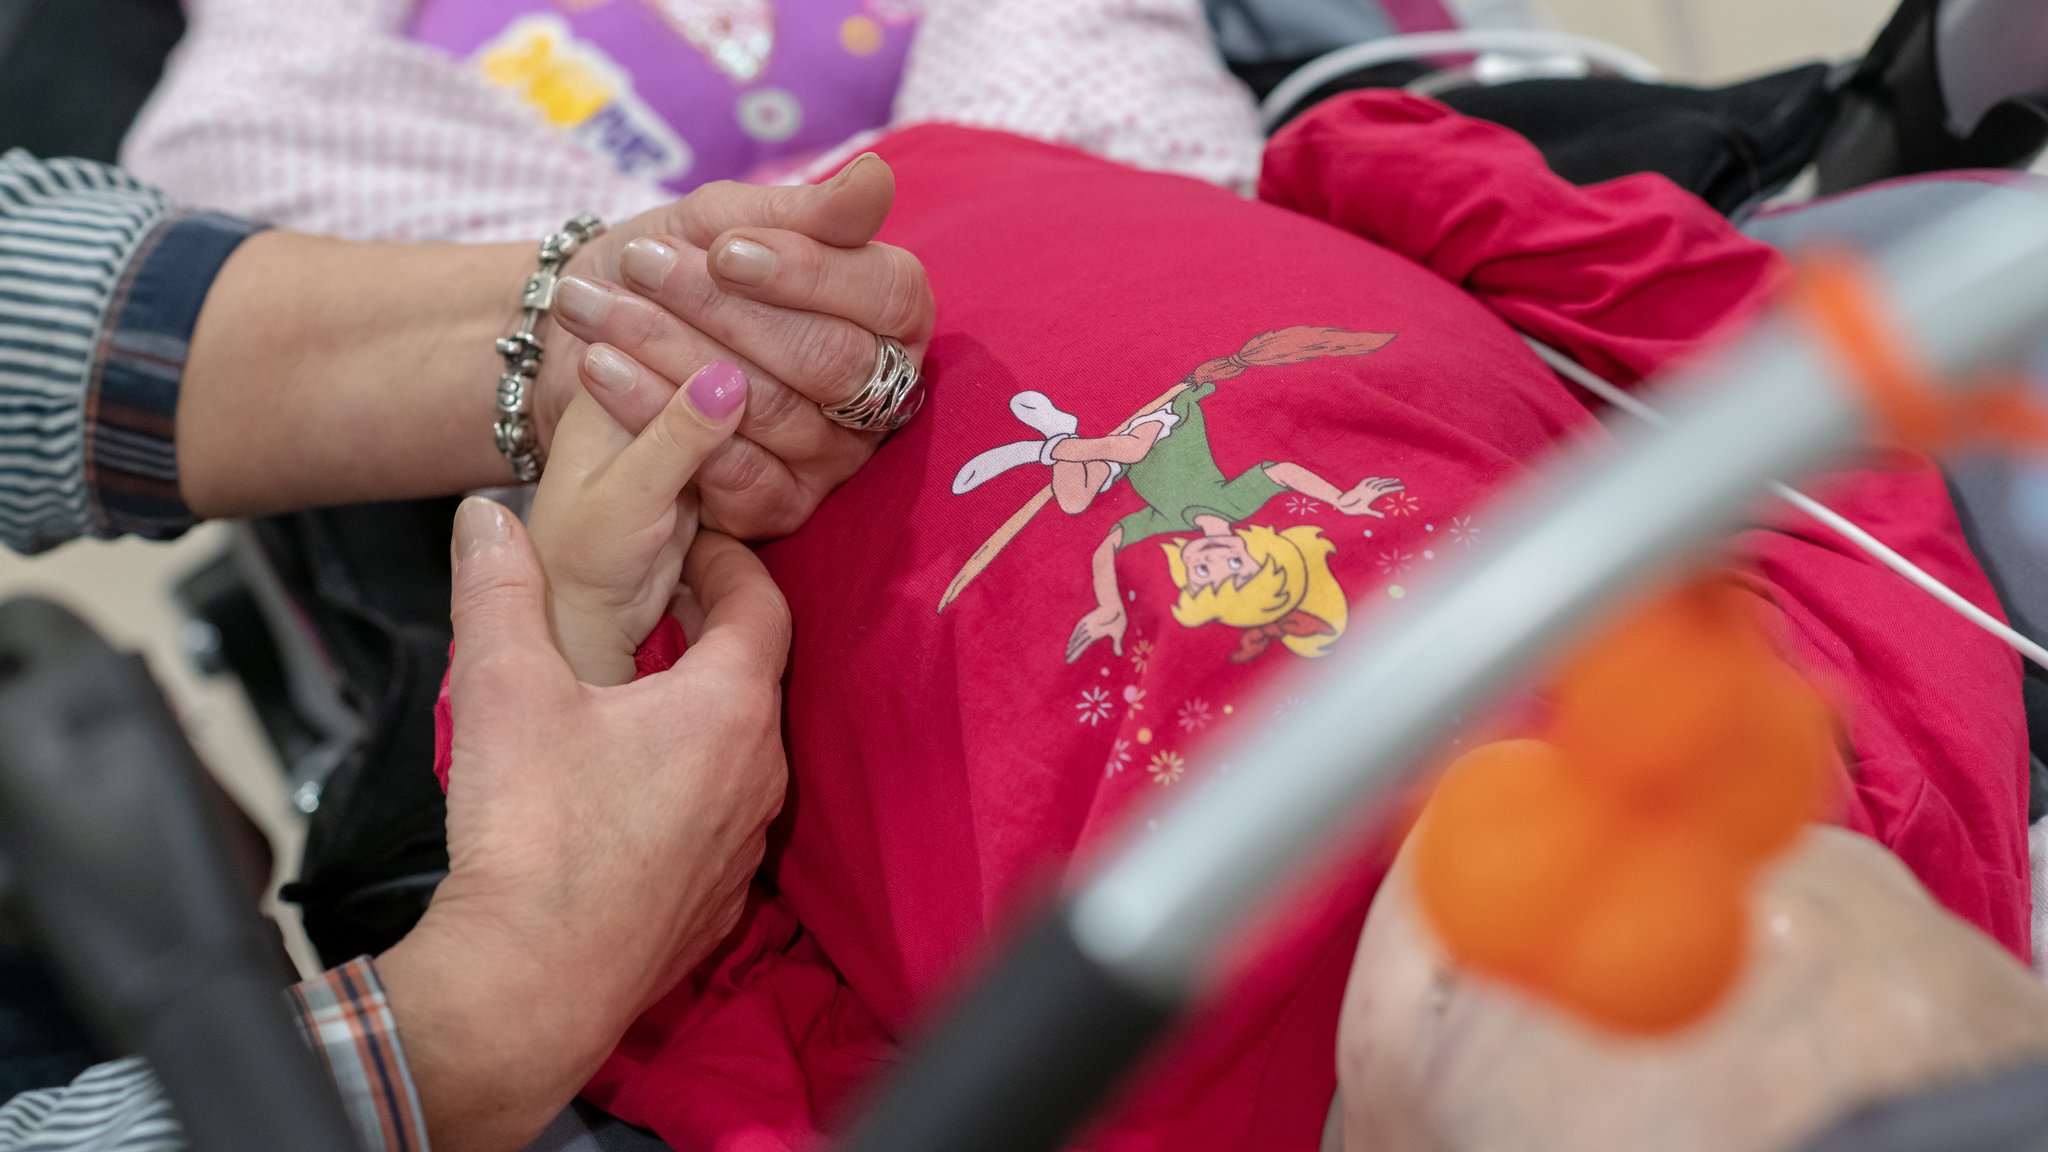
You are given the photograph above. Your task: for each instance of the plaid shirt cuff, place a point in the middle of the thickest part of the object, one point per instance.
(350, 1024)
(131, 401)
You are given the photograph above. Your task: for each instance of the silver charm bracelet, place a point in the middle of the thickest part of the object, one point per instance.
(518, 439)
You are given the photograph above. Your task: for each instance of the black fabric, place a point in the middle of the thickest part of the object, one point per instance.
(1730, 146)
(73, 73)
(372, 581)
(41, 1042)
(1893, 120)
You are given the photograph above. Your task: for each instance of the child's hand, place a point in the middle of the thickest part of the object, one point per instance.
(614, 515)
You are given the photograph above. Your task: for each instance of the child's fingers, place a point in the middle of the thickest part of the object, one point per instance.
(653, 470)
(631, 393)
(586, 440)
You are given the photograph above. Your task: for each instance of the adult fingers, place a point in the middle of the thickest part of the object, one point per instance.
(503, 653)
(878, 287)
(824, 358)
(746, 620)
(845, 211)
(651, 472)
(674, 345)
(631, 393)
(749, 492)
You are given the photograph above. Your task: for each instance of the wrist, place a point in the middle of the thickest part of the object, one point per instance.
(495, 1047)
(326, 371)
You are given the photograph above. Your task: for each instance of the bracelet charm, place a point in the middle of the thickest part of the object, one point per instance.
(514, 430)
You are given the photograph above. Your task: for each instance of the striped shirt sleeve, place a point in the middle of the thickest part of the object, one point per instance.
(120, 1107)
(101, 282)
(115, 1107)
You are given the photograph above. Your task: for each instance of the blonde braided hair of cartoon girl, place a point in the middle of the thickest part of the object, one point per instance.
(1292, 597)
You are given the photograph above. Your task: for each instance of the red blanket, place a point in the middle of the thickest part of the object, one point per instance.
(949, 765)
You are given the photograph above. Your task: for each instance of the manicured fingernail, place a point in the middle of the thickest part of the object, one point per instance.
(608, 368)
(745, 262)
(717, 390)
(582, 301)
(647, 262)
(480, 524)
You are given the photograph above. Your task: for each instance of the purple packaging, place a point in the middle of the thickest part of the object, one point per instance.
(682, 92)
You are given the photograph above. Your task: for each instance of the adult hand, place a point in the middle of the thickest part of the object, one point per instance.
(782, 280)
(1858, 987)
(600, 840)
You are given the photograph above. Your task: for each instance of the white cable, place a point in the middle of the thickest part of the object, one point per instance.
(1578, 374)
(1388, 49)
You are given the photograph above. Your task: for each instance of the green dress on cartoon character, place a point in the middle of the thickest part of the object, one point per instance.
(1271, 585)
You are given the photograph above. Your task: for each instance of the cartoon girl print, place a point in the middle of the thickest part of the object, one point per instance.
(1272, 585)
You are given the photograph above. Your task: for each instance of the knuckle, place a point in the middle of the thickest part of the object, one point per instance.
(483, 598)
(739, 470)
(692, 295)
(698, 213)
(906, 301)
(636, 325)
(832, 357)
(775, 407)
(804, 274)
(778, 520)
(490, 673)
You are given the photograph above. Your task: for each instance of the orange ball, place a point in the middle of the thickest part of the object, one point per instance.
(1637, 704)
(1504, 851)
(1768, 770)
(1658, 941)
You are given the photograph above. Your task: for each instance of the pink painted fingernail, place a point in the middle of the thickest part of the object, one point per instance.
(717, 390)
(608, 368)
(582, 301)
(647, 262)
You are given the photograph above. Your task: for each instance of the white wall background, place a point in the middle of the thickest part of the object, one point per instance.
(1724, 39)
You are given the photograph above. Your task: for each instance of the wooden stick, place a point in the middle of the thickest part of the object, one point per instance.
(1000, 539)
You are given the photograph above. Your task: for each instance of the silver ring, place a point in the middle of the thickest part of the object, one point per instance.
(889, 399)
